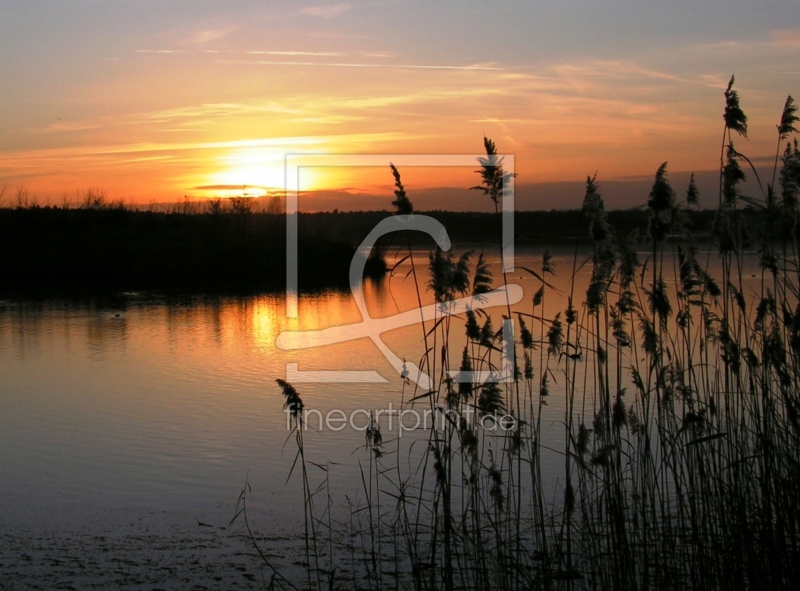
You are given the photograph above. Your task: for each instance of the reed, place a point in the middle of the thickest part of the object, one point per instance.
(681, 397)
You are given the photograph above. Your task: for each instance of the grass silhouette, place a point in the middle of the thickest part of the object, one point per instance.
(681, 424)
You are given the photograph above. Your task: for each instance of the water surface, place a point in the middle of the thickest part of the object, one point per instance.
(148, 405)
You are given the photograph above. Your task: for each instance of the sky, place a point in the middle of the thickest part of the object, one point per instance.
(153, 100)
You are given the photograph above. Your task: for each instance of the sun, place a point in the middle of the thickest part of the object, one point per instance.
(253, 168)
(256, 171)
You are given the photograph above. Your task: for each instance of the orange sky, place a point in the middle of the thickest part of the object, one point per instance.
(150, 101)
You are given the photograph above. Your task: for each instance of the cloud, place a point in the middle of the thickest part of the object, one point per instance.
(298, 53)
(327, 10)
(358, 65)
(369, 55)
(605, 71)
(727, 45)
(69, 126)
(778, 39)
(786, 37)
(209, 35)
(226, 187)
(161, 51)
(88, 153)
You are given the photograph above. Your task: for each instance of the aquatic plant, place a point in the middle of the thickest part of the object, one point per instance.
(681, 398)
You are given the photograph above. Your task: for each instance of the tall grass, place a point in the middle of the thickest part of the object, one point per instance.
(681, 426)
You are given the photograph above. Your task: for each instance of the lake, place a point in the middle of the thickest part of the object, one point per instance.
(129, 424)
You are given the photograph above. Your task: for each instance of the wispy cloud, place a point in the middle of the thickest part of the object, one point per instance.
(778, 39)
(786, 37)
(268, 52)
(297, 53)
(209, 35)
(727, 45)
(358, 65)
(327, 10)
(225, 187)
(212, 110)
(31, 158)
(406, 98)
(608, 71)
(181, 115)
(162, 51)
(68, 126)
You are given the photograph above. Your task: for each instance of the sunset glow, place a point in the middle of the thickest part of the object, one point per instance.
(153, 101)
(258, 171)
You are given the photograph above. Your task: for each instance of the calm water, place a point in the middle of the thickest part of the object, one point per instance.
(143, 404)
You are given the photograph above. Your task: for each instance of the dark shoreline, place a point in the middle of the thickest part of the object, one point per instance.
(50, 250)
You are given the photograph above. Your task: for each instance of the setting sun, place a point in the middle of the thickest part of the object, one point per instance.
(254, 167)
(252, 172)
(249, 171)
